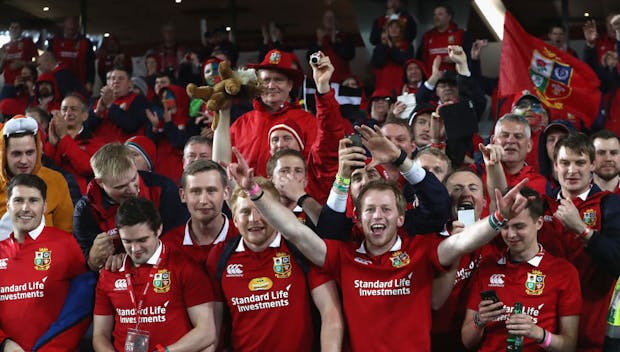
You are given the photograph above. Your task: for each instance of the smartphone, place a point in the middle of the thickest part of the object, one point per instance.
(356, 140)
(116, 240)
(465, 214)
(489, 295)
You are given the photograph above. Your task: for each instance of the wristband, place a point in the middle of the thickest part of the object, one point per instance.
(343, 181)
(160, 348)
(500, 217)
(477, 322)
(495, 222)
(259, 196)
(341, 188)
(401, 159)
(547, 341)
(301, 199)
(584, 234)
(254, 191)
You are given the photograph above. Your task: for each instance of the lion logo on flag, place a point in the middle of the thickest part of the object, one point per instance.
(551, 77)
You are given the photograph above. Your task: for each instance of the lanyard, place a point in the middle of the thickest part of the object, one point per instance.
(138, 306)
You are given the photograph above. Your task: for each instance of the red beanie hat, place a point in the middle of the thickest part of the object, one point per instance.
(144, 146)
(291, 127)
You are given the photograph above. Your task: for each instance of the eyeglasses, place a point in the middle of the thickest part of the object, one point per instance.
(528, 104)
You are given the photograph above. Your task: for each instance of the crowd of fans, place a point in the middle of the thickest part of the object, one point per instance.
(382, 212)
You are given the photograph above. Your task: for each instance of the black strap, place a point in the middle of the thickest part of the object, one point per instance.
(229, 248)
(232, 244)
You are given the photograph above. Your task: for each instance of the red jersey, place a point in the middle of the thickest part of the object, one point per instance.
(176, 285)
(535, 181)
(179, 239)
(267, 296)
(435, 43)
(548, 287)
(35, 277)
(386, 298)
(77, 55)
(597, 284)
(22, 49)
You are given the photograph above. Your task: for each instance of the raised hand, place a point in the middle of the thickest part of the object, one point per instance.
(241, 172)
(492, 154)
(382, 149)
(349, 158)
(322, 72)
(590, 33)
(512, 203)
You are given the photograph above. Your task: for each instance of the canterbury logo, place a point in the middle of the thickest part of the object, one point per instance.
(496, 280)
(120, 284)
(4, 263)
(234, 270)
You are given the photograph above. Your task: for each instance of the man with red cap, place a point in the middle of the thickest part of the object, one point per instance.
(250, 132)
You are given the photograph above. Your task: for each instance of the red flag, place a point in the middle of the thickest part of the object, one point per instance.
(566, 85)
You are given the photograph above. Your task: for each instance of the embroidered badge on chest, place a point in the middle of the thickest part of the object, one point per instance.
(535, 283)
(589, 217)
(42, 259)
(161, 281)
(399, 259)
(282, 266)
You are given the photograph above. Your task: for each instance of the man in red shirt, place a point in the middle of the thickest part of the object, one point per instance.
(155, 289)
(548, 287)
(69, 143)
(75, 51)
(513, 134)
(37, 266)
(249, 132)
(16, 53)
(606, 161)
(121, 112)
(387, 274)
(204, 188)
(591, 220)
(444, 32)
(266, 283)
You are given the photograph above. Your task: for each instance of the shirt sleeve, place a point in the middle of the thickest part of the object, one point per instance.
(332, 258)
(570, 298)
(103, 305)
(211, 266)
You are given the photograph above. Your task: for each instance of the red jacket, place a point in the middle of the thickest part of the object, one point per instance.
(73, 155)
(322, 160)
(124, 119)
(169, 160)
(435, 43)
(249, 133)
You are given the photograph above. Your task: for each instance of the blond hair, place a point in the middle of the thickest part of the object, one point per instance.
(113, 160)
(265, 185)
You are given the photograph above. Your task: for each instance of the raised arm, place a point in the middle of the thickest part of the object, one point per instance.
(496, 178)
(308, 242)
